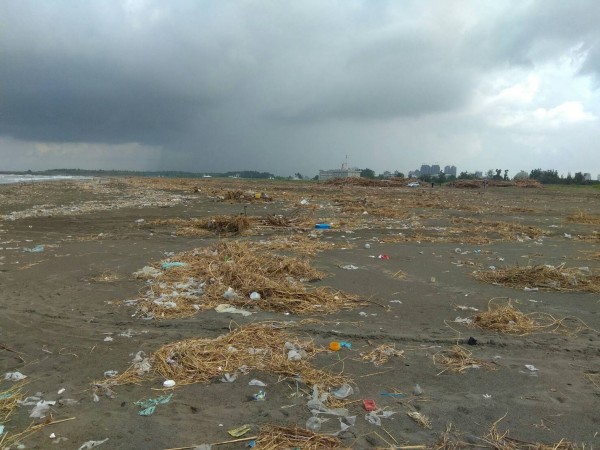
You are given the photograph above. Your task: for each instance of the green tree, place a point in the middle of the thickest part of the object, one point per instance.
(367, 173)
(442, 178)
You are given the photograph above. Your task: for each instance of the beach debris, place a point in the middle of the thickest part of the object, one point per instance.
(41, 408)
(384, 257)
(316, 404)
(417, 390)
(91, 444)
(258, 345)
(2, 429)
(14, 376)
(260, 396)
(313, 423)
(170, 264)
(349, 267)
(146, 272)
(381, 354)
(254, 296)
(279, 437)
(421, 419)
(141, 363)
(546, 277)
(36, 249)
(472, 341)
(322, 226)
(110, 373)
(240, 431)
(334, 346)
(169, 383)
(369, 405)
(226, 308)
(229, 378)
(149, 406)
(458, 359)
(342, 392)
(255, 382)
(531, 368)
(374, 417)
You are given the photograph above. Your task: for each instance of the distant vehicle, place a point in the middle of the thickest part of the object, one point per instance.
(413, 184)
(206, 176)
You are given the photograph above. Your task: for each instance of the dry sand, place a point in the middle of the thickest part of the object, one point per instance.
(63, 322)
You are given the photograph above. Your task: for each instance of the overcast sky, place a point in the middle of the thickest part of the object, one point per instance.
(295, 86)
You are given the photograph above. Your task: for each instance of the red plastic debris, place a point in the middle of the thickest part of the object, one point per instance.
(369, 405)
(384, 256)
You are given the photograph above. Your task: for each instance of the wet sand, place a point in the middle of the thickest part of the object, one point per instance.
(56, 314)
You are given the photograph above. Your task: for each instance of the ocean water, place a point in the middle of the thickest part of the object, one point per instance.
(12, 178)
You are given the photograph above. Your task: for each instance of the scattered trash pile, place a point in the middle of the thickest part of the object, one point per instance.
(265, 347)
(237, 274)
(495, 230)
(9, 400)
(458, 359)
(554, 278)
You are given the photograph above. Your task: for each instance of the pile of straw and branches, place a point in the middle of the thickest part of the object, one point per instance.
(263, 347)
(584, 217)
(381, 354)
(553, 278)
(458, 359)
(244, 268)
(275, 437)
(9, 400)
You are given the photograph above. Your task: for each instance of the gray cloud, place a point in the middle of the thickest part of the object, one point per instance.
(285, 86)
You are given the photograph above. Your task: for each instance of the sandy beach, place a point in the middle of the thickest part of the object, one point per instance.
(412, 261)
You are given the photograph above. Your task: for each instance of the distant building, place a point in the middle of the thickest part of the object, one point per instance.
(425, 169)
(344, 172)
(587, 176)
(478, 174)
(435, 169)
(450, 170)
(599, 177)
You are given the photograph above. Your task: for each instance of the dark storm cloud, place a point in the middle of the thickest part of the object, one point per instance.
(265, 81)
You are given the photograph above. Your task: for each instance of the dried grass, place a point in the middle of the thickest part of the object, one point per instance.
(505, 318)
(275, 437)
(381, 354)
(202, 227)
(542, 277)
(251, 347)
(246, 268)
(583, 217)
(458, 359)
(9, 400)
(421, 419)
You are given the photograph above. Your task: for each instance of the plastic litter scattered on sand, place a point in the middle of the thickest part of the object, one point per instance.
(14, 376)
(260, 396)
(36, 249)
(255, 382)
(91, 444)
(349, 267)
(149, 406)
(254, 296)
(417, 390)
(322, 226)
(343, 391)
(374, 417)
(171, 264)
(41, 408)
(392, 394)
(369, 405)
(240, 431)
(314, 423)
(169, 383)
(384, 257)
(531, 368)
(472, 341)
(225, 308)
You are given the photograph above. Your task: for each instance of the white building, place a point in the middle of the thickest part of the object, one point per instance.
(344, 172)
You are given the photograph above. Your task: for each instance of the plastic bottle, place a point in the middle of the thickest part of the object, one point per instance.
(313, 424)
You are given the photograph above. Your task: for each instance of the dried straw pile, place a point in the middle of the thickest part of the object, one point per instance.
(528, 183)
(244, 267)
(202, 227)
(381, 354)
(275, 437)
(542, 277)
(9, 400)
(468, 184)
(458, 359)
(584, 217)
(263, 347)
